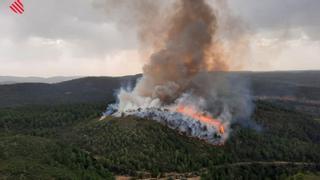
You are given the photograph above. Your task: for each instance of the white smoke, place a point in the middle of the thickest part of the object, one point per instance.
(226, 99)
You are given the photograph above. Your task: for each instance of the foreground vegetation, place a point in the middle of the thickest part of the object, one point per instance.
(69, 142)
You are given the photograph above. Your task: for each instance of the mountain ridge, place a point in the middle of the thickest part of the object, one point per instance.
(301, 85)
(35, 79)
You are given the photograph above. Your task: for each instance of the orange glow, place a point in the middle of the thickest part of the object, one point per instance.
(221, 130)
(189, 111)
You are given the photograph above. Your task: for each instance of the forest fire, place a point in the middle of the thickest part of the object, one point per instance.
(184, 85)
(185, 119)
(202, 117)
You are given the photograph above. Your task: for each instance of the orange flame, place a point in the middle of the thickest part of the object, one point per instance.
(191, 112)
(221, 130)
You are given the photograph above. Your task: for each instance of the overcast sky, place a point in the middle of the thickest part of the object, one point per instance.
(74, 38)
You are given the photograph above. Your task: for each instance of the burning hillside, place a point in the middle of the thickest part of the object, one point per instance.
(178, 87)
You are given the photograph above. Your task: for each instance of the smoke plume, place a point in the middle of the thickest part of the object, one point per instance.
(184, 84)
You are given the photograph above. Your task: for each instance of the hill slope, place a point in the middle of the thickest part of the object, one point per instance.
(90, 89)
(52, 131)
(15, 79)
(304, 85)
(30, 157)
(141, 147)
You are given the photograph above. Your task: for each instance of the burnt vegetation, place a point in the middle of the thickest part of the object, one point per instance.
(67, 141)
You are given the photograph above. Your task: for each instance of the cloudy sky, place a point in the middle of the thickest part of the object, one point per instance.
(75, 38)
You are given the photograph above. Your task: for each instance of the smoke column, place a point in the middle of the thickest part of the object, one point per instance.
(183, 83)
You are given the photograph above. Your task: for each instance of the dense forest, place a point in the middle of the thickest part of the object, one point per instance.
(54, 131)
(69, 142)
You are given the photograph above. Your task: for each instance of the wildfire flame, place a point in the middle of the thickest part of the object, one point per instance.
(193, 113)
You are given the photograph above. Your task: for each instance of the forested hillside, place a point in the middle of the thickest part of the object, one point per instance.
(53, 132)
(68, 141)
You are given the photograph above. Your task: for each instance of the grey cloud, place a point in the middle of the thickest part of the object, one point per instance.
(266, 15)
(73, 21)
(92, 30)
(84, 24)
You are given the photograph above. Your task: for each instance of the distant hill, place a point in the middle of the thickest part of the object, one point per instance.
(83, 90)
(303, 85)
(50, 80)
(294, 78)
(298, 84)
